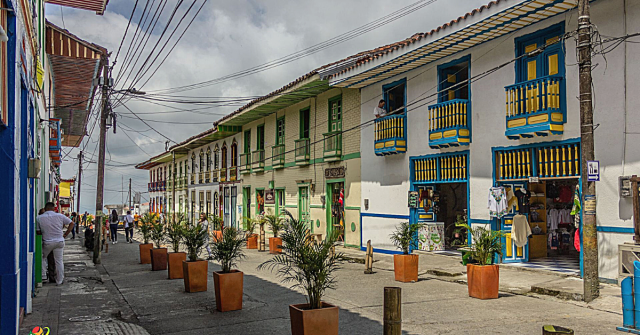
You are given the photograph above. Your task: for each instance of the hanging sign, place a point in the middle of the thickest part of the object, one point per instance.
(269, 197)
(414, 201)
(534, 179)
(593, 170)
(589, 204)
(337, 172)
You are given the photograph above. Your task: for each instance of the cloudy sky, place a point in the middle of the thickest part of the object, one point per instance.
(225, 37)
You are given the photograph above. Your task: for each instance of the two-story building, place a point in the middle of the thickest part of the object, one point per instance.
(484, 107)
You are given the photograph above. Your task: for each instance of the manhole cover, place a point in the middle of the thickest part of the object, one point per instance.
(84, 318)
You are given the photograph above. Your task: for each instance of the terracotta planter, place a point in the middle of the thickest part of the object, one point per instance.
(195, 275)
(252, 242)
(217, 234)
(145, 253)
(174, 265)
(306, 321)
(405, 268)
(158, 259)
(228, 288)
(483, 281)
(275, 244)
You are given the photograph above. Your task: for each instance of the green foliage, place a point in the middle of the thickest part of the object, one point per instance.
(175, 232)
(275, 222)
(147, 221)
(309, 265)
(195, 236)
(486, 243)
(227, 250)
(215, 222)
(406, 236)
(158, 233)
(249, 225)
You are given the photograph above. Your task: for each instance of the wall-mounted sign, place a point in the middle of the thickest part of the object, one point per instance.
(269, 197)
(534, 179)
(625, 186)
(414, 199)
(593, 170)
(589, 204)
(337, 172)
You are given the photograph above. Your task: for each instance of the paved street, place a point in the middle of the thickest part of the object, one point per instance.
(131, 299)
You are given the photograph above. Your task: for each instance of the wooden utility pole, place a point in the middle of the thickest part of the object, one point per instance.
(100, 182)
(79, 182)
(392, 311)
(589, 234)
(129, 193)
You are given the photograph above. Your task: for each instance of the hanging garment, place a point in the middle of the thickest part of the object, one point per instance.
(553, 240)
(523, 200)
(565, 216)
(576, 240)
(497, 202)
(575, 210)
(553, 219)
(552, 191)
(512, 201)
(564, 195)
(520, 230)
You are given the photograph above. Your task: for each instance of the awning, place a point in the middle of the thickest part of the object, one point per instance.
(74, 65)
(97, 6)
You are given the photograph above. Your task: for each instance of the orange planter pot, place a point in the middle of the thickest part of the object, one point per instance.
(252, 242)
(275, 244)
(195, 276)
(228, 289)
(405, 268)
(145, 253)
(483, 281)
(305, 321)
(217, 234)
(158, 259)
(174, 264)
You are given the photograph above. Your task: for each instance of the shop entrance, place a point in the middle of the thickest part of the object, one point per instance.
(442, 206)
(335, 208)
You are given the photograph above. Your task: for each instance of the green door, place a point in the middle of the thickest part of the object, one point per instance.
(246, 203)
(280, 201)
(303, 206)
(335, 115)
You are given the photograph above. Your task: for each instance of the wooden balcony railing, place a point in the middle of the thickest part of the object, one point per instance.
(277, 156)
(223, 174)
(233, 173)
(448, 124)
(389, 135)
(245, 163)
(302, 151)
(332, 146)
(257, 159)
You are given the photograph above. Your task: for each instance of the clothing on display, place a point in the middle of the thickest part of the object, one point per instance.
(576, 240)
(520, 230)
(497, 202)
(512, 201)
(564, 194)
(523, 196)
(553, 240)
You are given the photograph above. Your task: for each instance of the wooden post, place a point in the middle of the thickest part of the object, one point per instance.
(368, 262)
(392, 311)
(262, 238)
(636, 208)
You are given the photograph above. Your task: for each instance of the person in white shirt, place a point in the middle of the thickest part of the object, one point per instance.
(379, 111)
(50, 225)
(128, 227)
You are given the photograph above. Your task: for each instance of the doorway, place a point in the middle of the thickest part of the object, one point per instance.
(303, 206)
(335, 208)
(246, 203)
(280, 201)
(441, 207)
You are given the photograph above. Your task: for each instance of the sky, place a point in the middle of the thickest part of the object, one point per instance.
(225, 37)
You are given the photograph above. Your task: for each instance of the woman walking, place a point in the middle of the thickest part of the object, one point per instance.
(205, 224)
(113, 226)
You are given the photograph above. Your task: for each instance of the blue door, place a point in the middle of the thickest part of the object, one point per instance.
(510, 252)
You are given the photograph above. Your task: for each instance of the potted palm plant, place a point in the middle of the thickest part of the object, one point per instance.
(483, 277)
(158, 254)
(147, 222)
(311, 267)
(252, 238)
(228, 282)
(195, 270)
(405, 266)
(276, 223)
(216, 223)
(175, 235)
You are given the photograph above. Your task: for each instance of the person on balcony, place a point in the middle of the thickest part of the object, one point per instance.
(379, 111)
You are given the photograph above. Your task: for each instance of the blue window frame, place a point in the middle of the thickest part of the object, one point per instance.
(395, 96)
(390, 131)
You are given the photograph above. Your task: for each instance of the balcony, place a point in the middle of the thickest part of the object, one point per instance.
(207, 176)
(201, 177)
(150, 187)
(161, 186)
(215, 175)
(233, 173)
(169, 184)
(257, 159)
(535, 108)
(332, 146)
(193, 178)
(448, 125)
(277, 156)
(223, 174)
(245, 163)
(302, 151)
(389, 135)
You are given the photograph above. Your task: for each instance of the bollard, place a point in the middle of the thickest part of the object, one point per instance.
(368, 262)
(627, 302)
(261, 246)
(392, 311)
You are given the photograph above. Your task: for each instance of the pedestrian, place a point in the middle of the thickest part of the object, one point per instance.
(136, 220)
(74, 218)
(128, 227)
(84, 218)
(88, 237)
(113, 226)
(51, 262)
(205, 225)
(379, 111)
(50, 225)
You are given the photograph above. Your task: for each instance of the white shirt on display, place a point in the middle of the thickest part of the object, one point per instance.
(51, 224)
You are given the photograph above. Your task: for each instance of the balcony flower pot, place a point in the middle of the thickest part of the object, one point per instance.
(158, 259)
(483, 281)
(145, 253)
(195, 275)
(275, 245)
(174, 264)
(322, 321)
(405, 268)
(228, 290)
(252, 242)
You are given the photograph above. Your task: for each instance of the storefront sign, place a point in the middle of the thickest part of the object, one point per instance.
(534, 179)
(269, 197)
(414, 199)
(593, 170)
(589, 204)
(337, 172)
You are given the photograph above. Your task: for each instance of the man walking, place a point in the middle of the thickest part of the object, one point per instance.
(50, 225)
(128, 227)
(74, 218)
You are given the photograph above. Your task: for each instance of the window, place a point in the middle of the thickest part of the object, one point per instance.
(224, 156)
(335, 114)
(453, 80)
(394, 96)
(234, 153)
(216, 207)
(549, 62)
(304, 123)
(208, 207)
(280, 131)
(201, 167)
(193, 162)
(209, 159)
(260, 138)
(247, 141)
(216, 159)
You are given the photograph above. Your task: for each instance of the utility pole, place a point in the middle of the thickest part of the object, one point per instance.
(129, 193)
(103, 140)
(589, 235)
(79, 181)
(173, 185)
